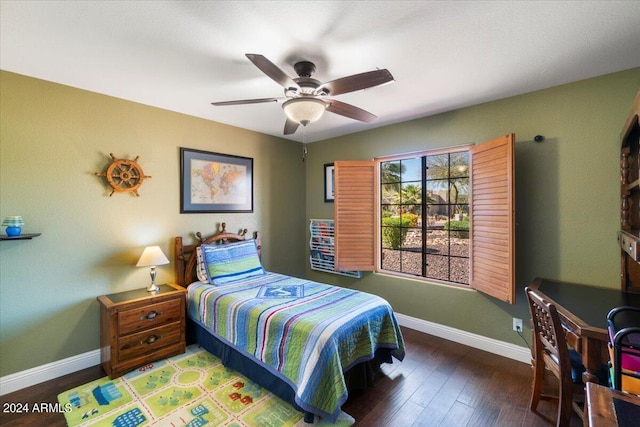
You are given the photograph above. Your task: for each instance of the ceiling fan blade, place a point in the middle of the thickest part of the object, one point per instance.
(356, 82)
(350, 111)
(272, 70)
(245, 101)
(290, 127)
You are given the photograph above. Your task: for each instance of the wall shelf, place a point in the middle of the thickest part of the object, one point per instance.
(321, 245)
(26, 236)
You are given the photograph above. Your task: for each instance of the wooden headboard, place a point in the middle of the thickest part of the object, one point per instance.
(186, 254)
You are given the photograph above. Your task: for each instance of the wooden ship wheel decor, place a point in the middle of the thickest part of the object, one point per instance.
(124, 176)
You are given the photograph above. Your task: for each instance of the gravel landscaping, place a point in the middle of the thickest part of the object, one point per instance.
(409, 259)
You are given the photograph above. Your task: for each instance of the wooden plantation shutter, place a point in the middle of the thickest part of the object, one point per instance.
(354, 215)
(492, 218)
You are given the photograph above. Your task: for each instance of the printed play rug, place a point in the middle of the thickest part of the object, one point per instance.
(192, 389)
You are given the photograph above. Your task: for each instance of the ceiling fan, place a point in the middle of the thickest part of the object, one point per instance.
(305, 98)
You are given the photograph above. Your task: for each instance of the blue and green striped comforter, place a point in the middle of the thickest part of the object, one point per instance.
(307, 333)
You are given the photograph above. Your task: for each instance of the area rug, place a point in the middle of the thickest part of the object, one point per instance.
(192, 389)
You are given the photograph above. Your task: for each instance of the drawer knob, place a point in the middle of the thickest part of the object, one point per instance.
(152, 339)
(151, 315)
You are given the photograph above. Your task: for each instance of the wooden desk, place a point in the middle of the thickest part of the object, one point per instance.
(601, 407)
(583, 311)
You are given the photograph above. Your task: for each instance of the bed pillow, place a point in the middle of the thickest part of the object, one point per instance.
(231, 262)
(201, 269)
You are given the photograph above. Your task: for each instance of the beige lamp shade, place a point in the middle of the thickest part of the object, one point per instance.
(152, 256)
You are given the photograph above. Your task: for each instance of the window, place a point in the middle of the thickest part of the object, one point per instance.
(424, 216)
(424, 196)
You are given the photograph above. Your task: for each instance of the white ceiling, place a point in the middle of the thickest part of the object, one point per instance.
(444, 55)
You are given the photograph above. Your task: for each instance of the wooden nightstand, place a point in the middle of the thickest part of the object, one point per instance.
(139, 327)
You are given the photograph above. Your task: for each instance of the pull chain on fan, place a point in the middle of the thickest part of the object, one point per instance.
(304, 144)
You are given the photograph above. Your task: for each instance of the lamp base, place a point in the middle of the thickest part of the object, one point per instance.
(153, 287)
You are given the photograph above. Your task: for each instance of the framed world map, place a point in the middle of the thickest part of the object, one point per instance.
(214, 182)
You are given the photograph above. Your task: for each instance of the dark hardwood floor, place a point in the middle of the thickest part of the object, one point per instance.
(440, 383)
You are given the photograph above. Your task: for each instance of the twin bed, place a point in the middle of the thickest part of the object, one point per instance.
(305, 341)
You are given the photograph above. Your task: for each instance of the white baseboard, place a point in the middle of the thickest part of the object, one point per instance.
(33, 376)
(501, 348)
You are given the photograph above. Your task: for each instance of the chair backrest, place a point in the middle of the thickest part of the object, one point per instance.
(550, 342)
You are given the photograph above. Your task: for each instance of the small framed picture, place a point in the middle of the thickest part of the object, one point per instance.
(214, 182)
(329, 182)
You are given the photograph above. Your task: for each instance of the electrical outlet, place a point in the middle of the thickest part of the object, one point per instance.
(517, 324)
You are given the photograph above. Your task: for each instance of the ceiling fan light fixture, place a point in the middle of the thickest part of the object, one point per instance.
(304, 110)
(304, 100)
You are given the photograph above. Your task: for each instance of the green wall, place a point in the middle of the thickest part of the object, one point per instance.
(567, 193)
(52, 140)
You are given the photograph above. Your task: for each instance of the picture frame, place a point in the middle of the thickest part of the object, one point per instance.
(214, 182)
(329, 182)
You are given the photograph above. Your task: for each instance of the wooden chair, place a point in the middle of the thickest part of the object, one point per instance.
(550, 351)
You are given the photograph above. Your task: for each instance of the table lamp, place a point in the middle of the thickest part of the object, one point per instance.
(151, 257)
(14, 225)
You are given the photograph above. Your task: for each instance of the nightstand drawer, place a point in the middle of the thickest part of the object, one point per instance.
(149, 340)
(149, 316)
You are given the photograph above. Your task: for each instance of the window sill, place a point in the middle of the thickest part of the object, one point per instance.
(424, 280)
